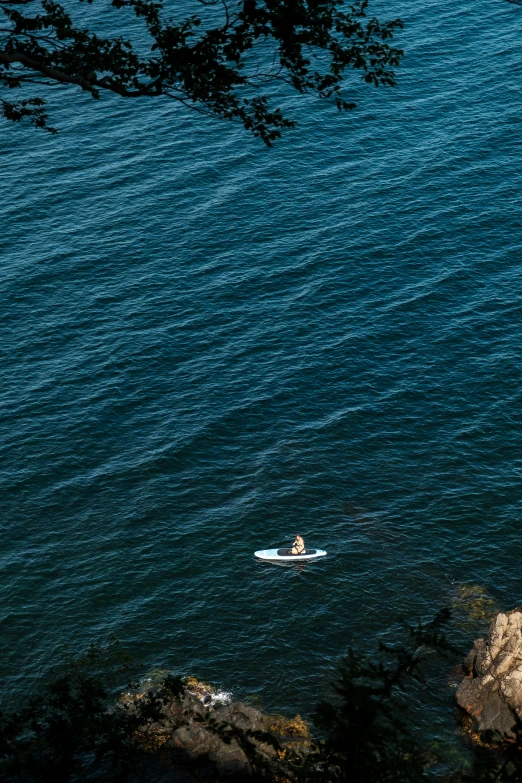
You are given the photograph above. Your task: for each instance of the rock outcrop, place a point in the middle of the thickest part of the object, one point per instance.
(199, 732)
(205, 740)
(491, 693)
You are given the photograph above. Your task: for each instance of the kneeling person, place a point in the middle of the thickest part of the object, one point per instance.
(298, 545)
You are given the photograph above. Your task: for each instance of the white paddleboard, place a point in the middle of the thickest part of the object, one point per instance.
(285, 554)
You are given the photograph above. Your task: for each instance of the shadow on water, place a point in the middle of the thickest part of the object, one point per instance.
(298, 567)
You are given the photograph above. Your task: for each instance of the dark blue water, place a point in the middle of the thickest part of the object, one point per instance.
(207, 346)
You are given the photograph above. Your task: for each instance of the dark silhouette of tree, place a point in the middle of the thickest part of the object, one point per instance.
(361, 734)
(219, 61)
(77, 720)
(81, 725)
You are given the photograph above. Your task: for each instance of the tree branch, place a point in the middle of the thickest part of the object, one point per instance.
(9, 58)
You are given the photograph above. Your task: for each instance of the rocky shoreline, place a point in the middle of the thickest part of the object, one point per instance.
(201, 735)
(204, 734)
(491, 691)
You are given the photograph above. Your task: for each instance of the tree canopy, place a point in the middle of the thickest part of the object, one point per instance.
(81, 726)
(220, 61)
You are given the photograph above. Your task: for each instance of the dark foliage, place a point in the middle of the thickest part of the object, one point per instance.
(498, 758)
(364, 735)
(220, 68)
(78, 724)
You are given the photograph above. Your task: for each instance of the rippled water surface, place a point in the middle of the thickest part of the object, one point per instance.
(208, 346)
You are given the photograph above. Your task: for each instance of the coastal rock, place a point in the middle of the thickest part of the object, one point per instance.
(241, 715)
(491, 692)
(201, 741)
(204, 733)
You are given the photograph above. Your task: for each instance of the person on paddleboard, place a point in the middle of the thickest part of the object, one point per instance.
(298, 545)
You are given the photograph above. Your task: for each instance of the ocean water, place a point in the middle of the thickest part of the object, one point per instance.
(208, 346)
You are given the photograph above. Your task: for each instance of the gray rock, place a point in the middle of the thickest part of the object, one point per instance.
(201, 735)
(195, 740)
(240, 715)
(496, 716)
(198, 741)
(492, 691)
(471, 658)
